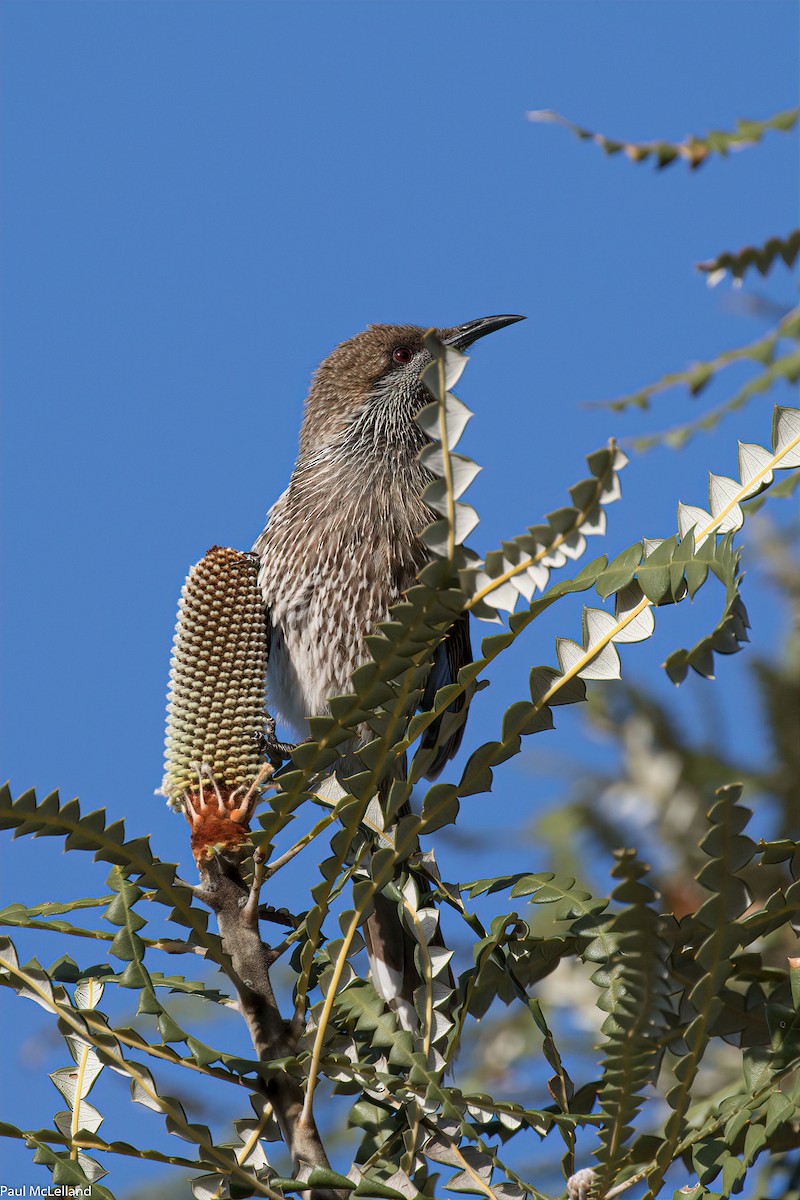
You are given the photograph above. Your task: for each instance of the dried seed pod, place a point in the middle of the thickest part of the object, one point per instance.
(214, 764)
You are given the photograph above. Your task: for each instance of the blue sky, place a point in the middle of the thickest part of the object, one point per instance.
(202, 199)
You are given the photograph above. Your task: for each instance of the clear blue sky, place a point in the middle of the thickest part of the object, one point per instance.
(202, 199)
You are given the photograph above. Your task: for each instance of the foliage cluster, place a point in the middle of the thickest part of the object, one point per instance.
(672, 983)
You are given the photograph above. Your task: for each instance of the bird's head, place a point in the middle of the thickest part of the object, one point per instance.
(369, 388)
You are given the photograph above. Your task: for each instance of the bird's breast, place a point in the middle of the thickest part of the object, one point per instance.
(330, 573)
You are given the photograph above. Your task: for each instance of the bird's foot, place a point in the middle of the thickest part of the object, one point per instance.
(275, 751)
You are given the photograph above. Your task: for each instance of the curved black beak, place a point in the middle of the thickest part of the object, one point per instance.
(461, 336)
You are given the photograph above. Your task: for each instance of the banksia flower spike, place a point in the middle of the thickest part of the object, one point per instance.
(214, 766)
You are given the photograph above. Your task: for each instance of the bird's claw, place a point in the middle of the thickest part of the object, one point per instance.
(275, 751)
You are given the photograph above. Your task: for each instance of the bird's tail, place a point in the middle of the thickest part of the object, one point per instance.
(391, 948)
(390, 943)
(393, 963)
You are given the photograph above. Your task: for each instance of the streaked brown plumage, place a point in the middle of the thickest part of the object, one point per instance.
(341, 545)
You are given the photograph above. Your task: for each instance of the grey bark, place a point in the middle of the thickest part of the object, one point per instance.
(236, 908)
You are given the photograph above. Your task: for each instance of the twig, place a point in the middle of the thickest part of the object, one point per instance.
(316, 1053)
(280, 916)
(250, 906)
(319, 828)
(143, 1081)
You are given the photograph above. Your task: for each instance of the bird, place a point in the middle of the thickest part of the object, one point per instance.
(342, 544)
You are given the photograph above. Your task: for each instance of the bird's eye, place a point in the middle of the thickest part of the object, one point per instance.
(403, 354)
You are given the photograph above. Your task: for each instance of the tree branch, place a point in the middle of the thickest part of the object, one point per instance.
(236, 908)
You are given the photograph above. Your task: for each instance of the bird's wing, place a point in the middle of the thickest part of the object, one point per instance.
(451, 655)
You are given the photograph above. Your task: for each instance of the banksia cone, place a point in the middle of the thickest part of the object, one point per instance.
(216, 704)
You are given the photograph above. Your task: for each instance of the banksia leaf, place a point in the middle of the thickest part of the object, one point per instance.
(754, 467)
(693, 150)
(215, 711)
(524, 564)
(786, 369)
(698, 375)
(444, 422)
(715, 937)
(636, 998)
(763, 258)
